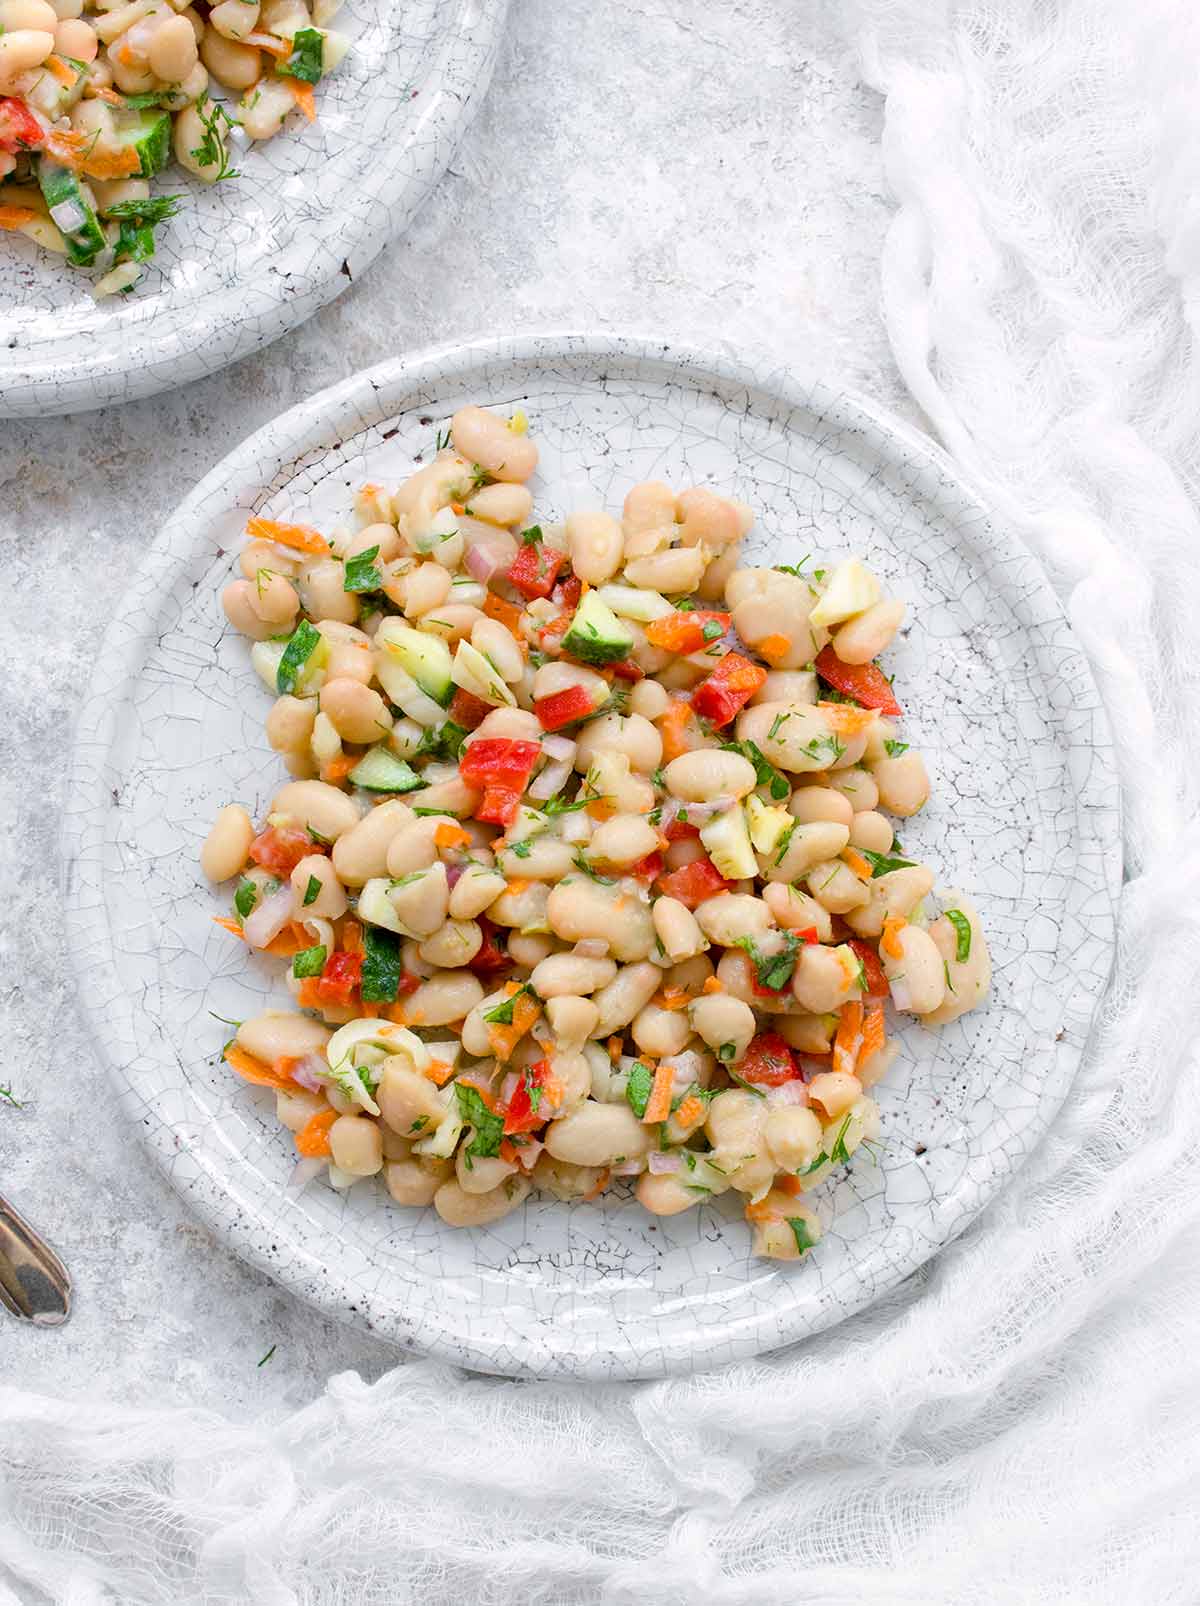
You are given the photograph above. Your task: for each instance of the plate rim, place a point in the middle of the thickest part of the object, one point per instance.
(97, 377)
(278, 447)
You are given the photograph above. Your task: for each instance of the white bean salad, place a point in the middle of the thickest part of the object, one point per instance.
(97, 95)
(587, 867)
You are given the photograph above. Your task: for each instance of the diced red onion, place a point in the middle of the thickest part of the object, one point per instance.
(481, 563)
(592, 948)
(551, 781)
(630, 1168)
(302, 1174)
(793, 1092)
(453, 872)
(559, 746)
(311, 1073)
(268, 920)
(660, 1164)
(528, 1152)
(509, 1087)
(685, 1067)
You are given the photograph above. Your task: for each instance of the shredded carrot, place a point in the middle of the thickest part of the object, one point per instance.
(312, 1140)
(673, 998)
(62, 70)
(519, 885)
(598, 1187)
(847, 1039)
(671, 726)
(457, 509)
(502, 1040)
(72, 148)
(874, 1034)
(773, 648)
(338, 768)
(601, 808)
(251, 1069)
(760, 1210)
(451, 836)
(614, 1046)
(786, 1183)
(352, 936)
(481, 1086)
(506, 612)
(439, 1071)
(845, 720)
(691, 1112)
(269, 43)
(857, 863)
(890, 942)
(15, 217)
(293, 939)
(308, 994)
(109, 96)
(712, 985)
(507, 1151)
(300, 537)
(658, 1105)
(304, 97)
(231, 926)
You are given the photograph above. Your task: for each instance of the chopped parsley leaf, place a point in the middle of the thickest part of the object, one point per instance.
(312, 891)
(361, 573)
(245, 898)
(309, 962)
(489, 1127)
(637, 1087)
(962, 935)
(894, 749)
(883, 864)
(802, 1232)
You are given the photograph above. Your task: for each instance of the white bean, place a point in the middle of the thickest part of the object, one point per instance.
(596, 547)
(279, 1034)
(622, 998)
(866, 635)
(726, 1025)
(458, 1208)
(361, 852)
(562, 974)
(903, 783)
(825, 978)
(598, 1134)
(227, 845)
(918, 975)
(625, 839)
(315, 805)
(701, 776)
(480, 437)
(678, 929)
(448, 996)
(357, 1145)
(329, 902)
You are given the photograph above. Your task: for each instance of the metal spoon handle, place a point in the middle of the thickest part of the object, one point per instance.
(34, 1283)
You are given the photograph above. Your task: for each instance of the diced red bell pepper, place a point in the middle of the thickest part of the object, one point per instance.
(563, 708)
(279, 849)
(692, 883)
(768, 1062)
(877, 982)
(340, 978)
(866, 683)
(19, 128)
(628, 670)
(567, 594)
(527, 1108)
(676, 830)
(647, 869)
(535, 569)
(498, 805)
(499, 761)
(685, 632)
(468, 710)
(491, 960)
(728, 689)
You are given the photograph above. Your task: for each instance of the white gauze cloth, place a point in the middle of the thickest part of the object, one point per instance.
(1019, 1422)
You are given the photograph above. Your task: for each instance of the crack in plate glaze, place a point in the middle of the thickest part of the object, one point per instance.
(246, 260)
(1024, 813)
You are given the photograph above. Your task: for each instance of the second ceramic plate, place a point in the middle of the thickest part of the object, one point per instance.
(997, 695)
(248, 259)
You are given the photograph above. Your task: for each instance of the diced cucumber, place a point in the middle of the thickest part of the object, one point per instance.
(426, 658)
(379, 770)
(148, 132)
(265, 658)
(306, 652)
(631, 602)
(596, 635)
(727, 842)
(73, 212)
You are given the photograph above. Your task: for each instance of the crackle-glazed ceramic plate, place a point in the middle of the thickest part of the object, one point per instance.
(998, 696)
(246, 260)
